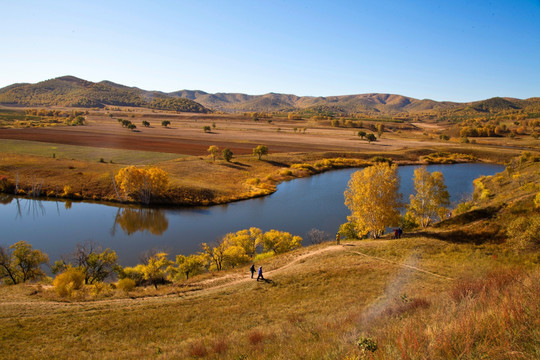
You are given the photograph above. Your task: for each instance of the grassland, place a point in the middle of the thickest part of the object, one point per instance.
(417, 298)
(84, 153)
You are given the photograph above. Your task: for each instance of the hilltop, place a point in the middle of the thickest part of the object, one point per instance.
(75, 92)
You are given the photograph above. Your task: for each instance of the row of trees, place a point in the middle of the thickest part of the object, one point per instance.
(89, 264)
(374, 200)
(227, 154)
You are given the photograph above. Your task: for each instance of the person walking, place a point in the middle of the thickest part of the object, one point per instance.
(260, 276)
(252, 269)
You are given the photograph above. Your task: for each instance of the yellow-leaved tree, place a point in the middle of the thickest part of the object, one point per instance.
(373, 197)
(247, 240)
(142, 184)
(214, 151)
(431, 201)
(188, 265)
(280, 241)
(155, 271)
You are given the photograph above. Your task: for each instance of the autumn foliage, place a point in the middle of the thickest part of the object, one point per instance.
(142, 184)
(373, 197)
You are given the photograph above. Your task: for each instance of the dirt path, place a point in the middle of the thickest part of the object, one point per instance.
(403, 265)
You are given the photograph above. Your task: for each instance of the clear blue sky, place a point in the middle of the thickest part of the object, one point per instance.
(442, 50)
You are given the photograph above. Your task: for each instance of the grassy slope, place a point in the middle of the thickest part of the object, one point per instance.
(419, 297)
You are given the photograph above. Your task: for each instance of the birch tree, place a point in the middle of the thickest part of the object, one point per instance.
(431, 201)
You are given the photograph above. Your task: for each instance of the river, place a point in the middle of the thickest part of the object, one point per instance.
(297, 206)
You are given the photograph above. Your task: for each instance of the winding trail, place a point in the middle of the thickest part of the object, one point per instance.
(200, 289)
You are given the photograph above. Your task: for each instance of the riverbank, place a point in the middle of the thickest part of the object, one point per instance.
(200, 181)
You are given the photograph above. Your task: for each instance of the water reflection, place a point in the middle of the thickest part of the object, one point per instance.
(5, 199)
(26, 207)
(132, 220)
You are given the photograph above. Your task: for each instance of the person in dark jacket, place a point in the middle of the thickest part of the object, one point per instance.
(260, 276)
(252, 269)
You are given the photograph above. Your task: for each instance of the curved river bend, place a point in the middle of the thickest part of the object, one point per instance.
(297, 207)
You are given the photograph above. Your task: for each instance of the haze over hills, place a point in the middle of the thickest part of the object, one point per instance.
(75, 92)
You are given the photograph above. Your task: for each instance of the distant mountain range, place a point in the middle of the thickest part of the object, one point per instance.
(75, 92)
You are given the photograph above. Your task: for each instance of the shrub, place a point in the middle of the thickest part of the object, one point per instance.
(69, 281)
(198, 349)
(220, 346)
(68, 191)
(524, 232)
(126, 284)
(101, 288)
(134, 273)
(255, 337)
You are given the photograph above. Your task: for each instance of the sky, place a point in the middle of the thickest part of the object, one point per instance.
(441, 50)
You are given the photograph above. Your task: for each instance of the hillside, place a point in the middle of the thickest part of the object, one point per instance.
(74, 92)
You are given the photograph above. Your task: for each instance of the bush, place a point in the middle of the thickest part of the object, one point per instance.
(126, 284)
(69, 281)
(134, 273)
(524, 233)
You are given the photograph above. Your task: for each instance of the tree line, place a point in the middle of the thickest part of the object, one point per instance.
(90, 264)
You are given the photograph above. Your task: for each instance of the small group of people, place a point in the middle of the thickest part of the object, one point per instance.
(397, 233)
(260, 274)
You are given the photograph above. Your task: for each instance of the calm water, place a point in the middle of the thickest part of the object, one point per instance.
(297, 207)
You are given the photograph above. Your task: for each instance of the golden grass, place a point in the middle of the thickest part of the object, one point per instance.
(319, 302)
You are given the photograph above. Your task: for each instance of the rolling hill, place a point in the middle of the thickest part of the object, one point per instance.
(75, 92)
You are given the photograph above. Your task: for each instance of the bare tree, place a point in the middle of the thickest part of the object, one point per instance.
(317, 236)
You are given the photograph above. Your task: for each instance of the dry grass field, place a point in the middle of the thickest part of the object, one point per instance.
(86, 157)
(416, 298)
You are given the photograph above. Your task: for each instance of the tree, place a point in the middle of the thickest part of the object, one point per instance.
(227, 154)
(362, 134)
(142, 184)
(373, 197)
(20, 263)
(380, 130)
(370, 137)
(89, 257)
(207, 128)
(216, 254)
(165, 123)
(214, 151)
(260, 150)
(247, 240)
(280, 241)
(145, 123)
(132, 126)
(189, 265)
(155, 271)
(317, 236)
(431, 199)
